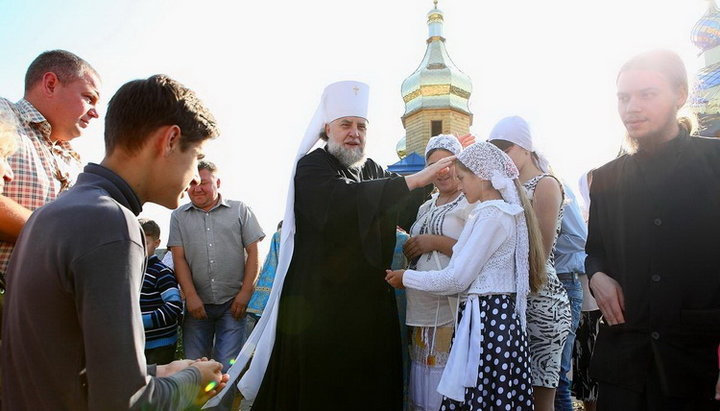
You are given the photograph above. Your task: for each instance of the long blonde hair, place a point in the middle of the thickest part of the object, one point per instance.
(536, 259)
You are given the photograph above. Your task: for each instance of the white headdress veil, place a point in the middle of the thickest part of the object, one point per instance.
(517, 131)
(341, 99)
(490, 163)
(444, 142)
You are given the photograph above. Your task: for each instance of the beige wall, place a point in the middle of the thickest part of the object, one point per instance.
(417, 126)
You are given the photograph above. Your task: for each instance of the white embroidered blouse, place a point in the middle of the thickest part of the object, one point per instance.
(483, 260)
(425, 309)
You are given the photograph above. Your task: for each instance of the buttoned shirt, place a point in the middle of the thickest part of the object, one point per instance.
(570, 246)
(214, 244)
(42, 167)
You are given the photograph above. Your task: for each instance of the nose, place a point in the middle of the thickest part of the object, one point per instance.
(93, 113)
(632, 105)
(194, 182)
(354, 131)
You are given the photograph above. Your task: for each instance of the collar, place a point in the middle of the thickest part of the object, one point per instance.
(31, 116)
(119, 189)
(674, 146)
(221, 202)
(29, 113)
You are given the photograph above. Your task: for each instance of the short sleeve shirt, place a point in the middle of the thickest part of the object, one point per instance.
(43, 168)
(214, 244)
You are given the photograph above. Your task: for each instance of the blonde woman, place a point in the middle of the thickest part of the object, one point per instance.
(497, 261)
(549, 316)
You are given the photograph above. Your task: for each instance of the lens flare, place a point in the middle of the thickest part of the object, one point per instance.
(210, 386)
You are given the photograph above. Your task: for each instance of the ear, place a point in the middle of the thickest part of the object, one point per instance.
(327, 130)
(49, 83)
(682, 98)
(218, 182)
(169, 140)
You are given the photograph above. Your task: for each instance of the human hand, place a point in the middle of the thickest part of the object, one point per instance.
(609, 296)
(428, 174)
(239, 305)
(212, 380)
(418, 245)
(394, 278)
(195, 307)
(173, 367)
(466, 140)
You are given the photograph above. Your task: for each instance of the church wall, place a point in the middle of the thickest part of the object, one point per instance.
(417, 127)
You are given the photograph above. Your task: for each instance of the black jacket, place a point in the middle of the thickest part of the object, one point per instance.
(655, 228)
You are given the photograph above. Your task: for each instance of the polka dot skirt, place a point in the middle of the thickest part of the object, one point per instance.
(504, 374)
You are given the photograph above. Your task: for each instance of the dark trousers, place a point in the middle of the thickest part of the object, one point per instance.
(160, 355)
(651, 398)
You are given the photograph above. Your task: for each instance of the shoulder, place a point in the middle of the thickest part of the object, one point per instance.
(610, 168)
(181, 209)
(239, 206)
(319, 155)
(705, 144)
(498, 209)
(426, 205)
(550, 183)
(89, 215)
(7, 107)
(370, 164)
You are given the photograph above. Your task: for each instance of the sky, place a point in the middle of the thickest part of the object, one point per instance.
(261, 66)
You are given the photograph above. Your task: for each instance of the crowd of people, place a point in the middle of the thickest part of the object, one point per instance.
(503, 292)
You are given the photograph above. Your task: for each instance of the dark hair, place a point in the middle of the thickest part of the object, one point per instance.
(150, 227)
(66, 66)
(207, 165)
(503, 145)
(142, 106)
(429, 153)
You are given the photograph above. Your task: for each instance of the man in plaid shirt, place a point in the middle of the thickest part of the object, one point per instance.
(61, 91)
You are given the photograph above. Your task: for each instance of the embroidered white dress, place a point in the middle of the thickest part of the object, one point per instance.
(488, 366)
(430, 315)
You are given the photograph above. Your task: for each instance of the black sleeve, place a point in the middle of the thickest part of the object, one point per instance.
(329, 201)
(594, 246)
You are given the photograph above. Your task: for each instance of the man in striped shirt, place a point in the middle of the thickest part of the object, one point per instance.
(160, 302)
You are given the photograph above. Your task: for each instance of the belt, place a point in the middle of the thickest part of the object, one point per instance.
(567, 276)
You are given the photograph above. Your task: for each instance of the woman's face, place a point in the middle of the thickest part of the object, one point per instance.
(470, 184)
(446, 182)
(518, 155)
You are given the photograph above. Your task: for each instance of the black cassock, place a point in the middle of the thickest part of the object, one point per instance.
(338, 340)
(655, 228)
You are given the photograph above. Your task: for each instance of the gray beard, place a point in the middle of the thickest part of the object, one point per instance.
(349, 158)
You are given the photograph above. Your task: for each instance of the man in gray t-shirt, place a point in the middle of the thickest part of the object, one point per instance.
(214, 247)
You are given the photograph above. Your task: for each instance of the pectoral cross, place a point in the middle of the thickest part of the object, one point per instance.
(356, 89)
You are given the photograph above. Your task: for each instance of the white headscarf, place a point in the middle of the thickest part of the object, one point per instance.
(517, 131)
(490, 163)
(341, 99)
(444, 142)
